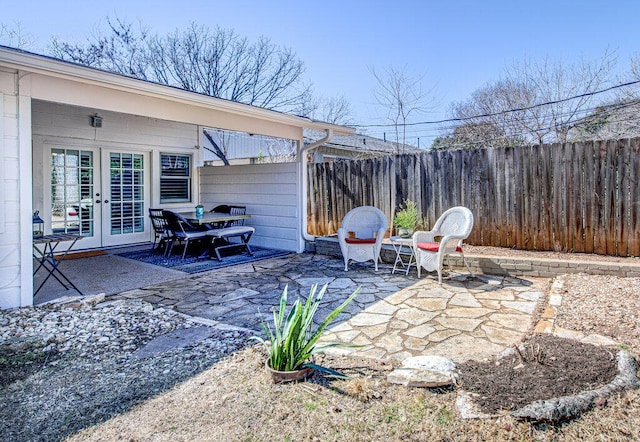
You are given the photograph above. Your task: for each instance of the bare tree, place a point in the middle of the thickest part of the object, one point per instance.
(533, 102)
(216, 62)
(14, 36)
(553, 82)
(336, 110)
(401, 96)
(617, 118)
(485, 120)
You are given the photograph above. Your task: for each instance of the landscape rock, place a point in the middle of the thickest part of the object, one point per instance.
(424, 371)
(467, 408)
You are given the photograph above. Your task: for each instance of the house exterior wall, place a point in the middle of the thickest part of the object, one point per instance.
(15, 220)
(69, 126)
(271, 193)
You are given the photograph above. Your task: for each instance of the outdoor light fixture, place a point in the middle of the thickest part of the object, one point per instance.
(96, 121)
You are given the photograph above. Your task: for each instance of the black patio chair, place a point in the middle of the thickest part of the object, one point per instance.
(181, 230)
(160, 229)
(231, 210)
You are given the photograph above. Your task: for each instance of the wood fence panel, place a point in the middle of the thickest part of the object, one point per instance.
(590, 202)
(556, 192)
(611, 199)
(583, 197)
(634, 198)
(600, 192)
(548, 196)
(622, 247)
(487, 196)
(536, 203)
(495, 195)
(568, 174)
(517, 204)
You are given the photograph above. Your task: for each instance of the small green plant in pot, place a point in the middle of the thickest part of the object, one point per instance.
(292, 340)
(407, 218)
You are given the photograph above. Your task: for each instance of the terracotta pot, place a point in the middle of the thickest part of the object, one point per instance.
(279, 377)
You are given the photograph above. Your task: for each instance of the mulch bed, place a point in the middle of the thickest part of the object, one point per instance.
(546, 367)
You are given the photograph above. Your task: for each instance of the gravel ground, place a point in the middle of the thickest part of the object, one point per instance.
(506, 252)
(604, 305)
(88, 374)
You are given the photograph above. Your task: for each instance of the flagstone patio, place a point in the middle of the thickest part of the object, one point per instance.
(393, 316)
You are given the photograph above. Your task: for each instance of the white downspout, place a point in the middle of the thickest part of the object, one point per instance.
(303, 161)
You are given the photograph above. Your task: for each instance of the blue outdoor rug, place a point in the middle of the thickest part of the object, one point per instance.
(192, 264)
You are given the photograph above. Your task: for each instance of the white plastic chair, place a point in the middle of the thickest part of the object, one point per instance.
(453, 226)
(361, 235)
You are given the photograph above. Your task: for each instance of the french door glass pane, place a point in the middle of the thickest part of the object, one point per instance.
(127, 195)
(72, 189)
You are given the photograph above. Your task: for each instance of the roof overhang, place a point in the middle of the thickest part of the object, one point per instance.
(29, 62)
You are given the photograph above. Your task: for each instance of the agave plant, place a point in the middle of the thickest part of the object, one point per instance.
(292, 341)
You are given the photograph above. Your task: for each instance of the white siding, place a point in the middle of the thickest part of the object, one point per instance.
(269, 191)
(60, 120)
(58, 124)
(10, 277)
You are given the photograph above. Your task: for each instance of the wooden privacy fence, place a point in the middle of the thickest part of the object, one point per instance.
(579, 197)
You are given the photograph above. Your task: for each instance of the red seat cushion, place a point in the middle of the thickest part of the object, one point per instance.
(433, 247)
(360, 240)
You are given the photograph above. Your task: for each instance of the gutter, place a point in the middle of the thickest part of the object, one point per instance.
(303, 151)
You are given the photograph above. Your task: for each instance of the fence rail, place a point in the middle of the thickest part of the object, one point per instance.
(580, 197)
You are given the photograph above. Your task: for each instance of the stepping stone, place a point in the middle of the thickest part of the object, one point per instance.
(424, 371)
(175, 339)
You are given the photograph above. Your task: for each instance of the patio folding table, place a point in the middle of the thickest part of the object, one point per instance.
(47, 259)
(398, 242)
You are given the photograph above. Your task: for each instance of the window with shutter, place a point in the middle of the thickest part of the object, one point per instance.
(175, 178)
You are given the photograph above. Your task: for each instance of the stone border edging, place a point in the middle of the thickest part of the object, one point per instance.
(567, 407)
(547, 324)
(507, 266)
(564, 407)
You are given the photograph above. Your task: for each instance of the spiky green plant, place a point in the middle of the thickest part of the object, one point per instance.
(292, 341)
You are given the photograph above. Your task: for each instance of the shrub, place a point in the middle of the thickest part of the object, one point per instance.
(292, 341)
(408, 217)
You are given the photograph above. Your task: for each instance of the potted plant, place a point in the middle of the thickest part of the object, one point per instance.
(292, 340)
(407, 218)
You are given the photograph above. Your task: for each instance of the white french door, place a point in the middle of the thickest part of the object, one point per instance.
(100, 194)
(125, 184)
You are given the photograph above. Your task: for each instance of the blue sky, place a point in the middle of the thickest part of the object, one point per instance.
(456, 46)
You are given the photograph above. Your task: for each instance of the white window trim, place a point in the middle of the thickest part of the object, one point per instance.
(191, 178)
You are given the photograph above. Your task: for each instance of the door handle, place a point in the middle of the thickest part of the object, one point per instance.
(98, 201)
(106, 201)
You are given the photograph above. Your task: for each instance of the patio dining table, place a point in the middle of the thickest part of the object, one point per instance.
(212, 217)
(216, 219)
